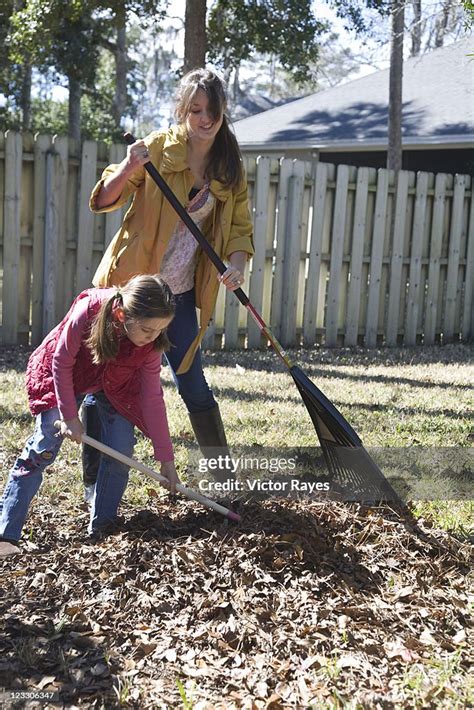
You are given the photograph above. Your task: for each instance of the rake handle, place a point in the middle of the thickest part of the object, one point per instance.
(188, 221)
(133, 463)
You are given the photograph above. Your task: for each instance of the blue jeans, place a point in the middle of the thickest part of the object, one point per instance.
(192, 385)
(41, 450)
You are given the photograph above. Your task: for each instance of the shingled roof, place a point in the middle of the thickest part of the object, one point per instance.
(438, 109)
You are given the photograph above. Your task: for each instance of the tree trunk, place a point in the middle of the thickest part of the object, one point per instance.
(394, 155)
(416, 29)
(442, 23)
(74, 108)
(26, 99)
(120, 96)
(195, 39)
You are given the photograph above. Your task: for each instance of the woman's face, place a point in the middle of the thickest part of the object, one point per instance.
(200, 123)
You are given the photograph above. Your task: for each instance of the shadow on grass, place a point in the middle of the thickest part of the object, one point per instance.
(293, 396)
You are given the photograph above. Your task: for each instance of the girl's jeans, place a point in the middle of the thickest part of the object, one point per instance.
(41, 450)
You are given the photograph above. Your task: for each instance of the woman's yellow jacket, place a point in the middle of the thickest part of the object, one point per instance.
(139, 245)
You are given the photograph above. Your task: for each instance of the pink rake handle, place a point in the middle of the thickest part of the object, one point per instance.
(133, 463)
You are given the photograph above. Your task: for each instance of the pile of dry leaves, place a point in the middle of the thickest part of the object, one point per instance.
(303, 603)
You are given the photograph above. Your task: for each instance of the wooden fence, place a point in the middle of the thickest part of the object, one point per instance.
(344, 255)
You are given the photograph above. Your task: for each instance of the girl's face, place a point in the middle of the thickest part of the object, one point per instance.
(142, 331)
(201, 125)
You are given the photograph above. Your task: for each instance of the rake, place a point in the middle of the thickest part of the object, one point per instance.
(143, 468)
(349, 464)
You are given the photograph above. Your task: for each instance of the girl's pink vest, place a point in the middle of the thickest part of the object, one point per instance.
(120, 377)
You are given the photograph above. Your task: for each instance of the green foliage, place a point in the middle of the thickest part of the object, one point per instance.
(468, 6)
(60, 34)
(290, 30)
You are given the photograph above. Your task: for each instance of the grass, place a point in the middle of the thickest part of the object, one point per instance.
(397, 398)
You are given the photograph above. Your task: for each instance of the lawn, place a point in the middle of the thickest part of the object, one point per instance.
(306, 603)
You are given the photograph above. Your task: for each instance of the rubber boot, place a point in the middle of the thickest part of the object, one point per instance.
(210, 435)
(90, 455)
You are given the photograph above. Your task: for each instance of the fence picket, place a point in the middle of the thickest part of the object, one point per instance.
(415, 286)
(468, 306)
(286, 170)
(338, 230)
(61, 146)
(114, 219)
(292, 256)
(396, 260)
(86, 218)
(371, 326)
(42, 145)
(453, 257)
(434, 259)
(315, 251)
(11, 236)
(260, 219)
(357, 253)
(51, 242)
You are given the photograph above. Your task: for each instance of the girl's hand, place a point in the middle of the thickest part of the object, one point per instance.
(168, 471)
(137, 155)
(72, 428)
(232, 278)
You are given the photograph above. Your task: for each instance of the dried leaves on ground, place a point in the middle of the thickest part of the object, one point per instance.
(303, 604)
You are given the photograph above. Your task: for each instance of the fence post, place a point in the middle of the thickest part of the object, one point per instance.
(12, 235)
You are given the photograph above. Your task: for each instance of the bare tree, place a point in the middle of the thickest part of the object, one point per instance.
(416, 29)
(195, 38)
(394, 154)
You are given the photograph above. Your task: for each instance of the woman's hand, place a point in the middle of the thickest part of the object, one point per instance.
(137, 155)
(72, 428)
(168, 470)
(232, 278)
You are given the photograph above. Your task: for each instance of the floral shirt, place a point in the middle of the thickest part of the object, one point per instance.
(181, 256)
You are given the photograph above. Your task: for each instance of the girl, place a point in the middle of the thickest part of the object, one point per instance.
(109, 343)
(200, 160)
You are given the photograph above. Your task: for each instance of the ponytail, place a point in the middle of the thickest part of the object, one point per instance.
(103, 340)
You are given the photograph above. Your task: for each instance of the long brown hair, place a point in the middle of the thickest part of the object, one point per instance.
(144, 296)
(225, 158)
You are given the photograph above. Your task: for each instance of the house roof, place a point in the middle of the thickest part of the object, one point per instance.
(438, 109)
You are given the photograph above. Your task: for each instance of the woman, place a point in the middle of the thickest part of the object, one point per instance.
(200, 160)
